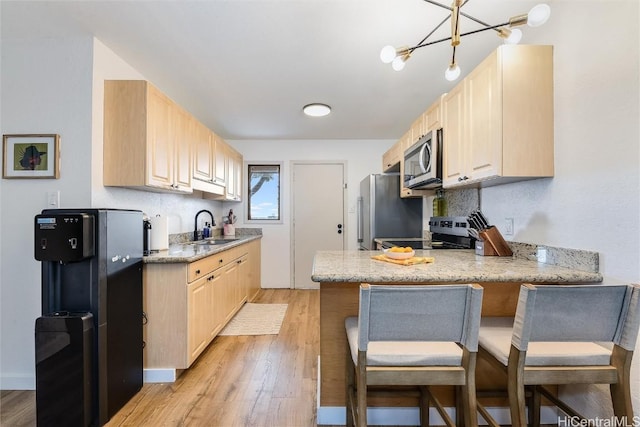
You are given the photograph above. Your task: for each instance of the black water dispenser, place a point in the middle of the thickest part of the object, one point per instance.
(89, 338)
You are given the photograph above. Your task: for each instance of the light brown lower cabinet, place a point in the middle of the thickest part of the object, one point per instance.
(188, 304)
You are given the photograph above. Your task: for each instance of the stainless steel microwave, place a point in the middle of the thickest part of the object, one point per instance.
(423, 162)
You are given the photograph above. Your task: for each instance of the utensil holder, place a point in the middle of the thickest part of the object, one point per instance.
(229, 230)
(492, 237)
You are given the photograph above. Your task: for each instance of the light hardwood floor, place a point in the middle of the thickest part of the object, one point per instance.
(267, 380)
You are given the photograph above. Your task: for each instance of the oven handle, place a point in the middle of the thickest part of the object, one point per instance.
(360, 220)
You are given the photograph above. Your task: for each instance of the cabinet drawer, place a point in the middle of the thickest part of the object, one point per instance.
(204, 266)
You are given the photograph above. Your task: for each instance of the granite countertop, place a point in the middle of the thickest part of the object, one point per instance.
(193, 251)
(451, 266)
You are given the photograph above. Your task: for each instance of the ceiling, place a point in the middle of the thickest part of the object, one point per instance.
(245, 68)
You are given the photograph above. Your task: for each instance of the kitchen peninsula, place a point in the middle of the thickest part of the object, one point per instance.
(341, 272)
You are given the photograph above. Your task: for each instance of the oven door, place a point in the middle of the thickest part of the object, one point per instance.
(422, 164)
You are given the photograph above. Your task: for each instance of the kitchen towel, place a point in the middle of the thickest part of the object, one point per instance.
(159, 233)
(409, 261)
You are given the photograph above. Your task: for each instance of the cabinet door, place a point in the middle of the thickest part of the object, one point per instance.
(244, 278)
(453, 160)
(220, 162)
(184, 141)
(238, 171)
(254, 256)
(160, 149)
(418, 129)
(234, 174)
(433, 116)
(391, 158)
(484, 120)
(228, 302)
(199, 317)
(217, 294)
(203, 153)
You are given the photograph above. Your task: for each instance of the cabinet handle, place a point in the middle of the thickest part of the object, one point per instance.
(197, 271)
(220, 261)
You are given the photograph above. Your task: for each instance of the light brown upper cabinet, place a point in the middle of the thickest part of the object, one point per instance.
(147, 138)
(391, 158)
(205, 163)
(203, 154)
(498, 122)
(433, 116)
(234, 175)
(220, 164)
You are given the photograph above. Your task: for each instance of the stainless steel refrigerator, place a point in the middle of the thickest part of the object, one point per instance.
(383, 214)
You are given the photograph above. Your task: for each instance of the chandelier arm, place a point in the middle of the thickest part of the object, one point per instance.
(479, 21)
(444, 6)
(466, 15)
(431, 33)
(492, 27)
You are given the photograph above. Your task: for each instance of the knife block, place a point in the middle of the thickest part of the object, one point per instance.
(483, 248)
(492, 237)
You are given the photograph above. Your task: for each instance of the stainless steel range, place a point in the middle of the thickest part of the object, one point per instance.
(447, 232)
(450, 232)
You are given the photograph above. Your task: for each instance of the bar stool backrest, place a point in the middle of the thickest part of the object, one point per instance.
(561, 313)
(420, 313)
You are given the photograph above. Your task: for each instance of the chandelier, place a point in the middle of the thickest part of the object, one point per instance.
(397, 57)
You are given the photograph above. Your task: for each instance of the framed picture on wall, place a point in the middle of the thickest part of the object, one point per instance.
(31, 156)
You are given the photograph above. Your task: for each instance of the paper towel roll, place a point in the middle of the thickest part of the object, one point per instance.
(159, 233)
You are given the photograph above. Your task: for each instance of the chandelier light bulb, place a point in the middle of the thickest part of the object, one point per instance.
(514, 37)
(538, 15)
(452, 72)
(398, 63)
(388, 54)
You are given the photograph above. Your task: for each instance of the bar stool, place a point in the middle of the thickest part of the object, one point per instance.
(559, 336)
(414, 336)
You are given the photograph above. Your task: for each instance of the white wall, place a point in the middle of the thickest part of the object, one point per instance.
(593, 202)
(46, 88)
(362, 156)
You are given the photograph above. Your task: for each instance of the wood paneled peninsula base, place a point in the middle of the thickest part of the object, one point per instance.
(341, 272)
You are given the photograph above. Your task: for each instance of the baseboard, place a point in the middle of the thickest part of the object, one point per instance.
(383, 416)
(18, 382)
(160, 375)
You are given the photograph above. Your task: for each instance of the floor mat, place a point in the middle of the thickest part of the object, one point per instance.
(256, 319)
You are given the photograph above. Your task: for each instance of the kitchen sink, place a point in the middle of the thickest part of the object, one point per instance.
(213, 242)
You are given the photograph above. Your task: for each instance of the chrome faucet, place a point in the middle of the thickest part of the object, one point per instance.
(195, 227)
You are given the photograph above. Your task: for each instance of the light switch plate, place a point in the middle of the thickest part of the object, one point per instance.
(53, 199)
(508, 226)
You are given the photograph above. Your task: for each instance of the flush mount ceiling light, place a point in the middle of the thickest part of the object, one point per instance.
(398, 57)
(316, 110)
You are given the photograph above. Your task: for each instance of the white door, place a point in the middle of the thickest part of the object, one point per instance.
(318, 215)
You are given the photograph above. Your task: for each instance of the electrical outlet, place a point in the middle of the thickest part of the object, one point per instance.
(508, 226)
(541, 254)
